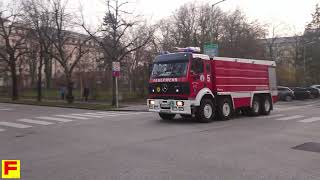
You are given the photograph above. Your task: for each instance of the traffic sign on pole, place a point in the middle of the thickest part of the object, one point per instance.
(115, 69)
(211, 49)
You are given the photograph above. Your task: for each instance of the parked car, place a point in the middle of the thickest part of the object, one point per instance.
(301, 93)
(317, 86)
(285, 93)
(314, 92)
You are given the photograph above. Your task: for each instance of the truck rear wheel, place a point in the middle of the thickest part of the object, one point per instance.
(266, 105)
(256, 106)
(206, 111)
(166, 116)
(225, 109)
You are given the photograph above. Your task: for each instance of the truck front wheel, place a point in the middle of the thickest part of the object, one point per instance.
(166, 116)
(206, 111)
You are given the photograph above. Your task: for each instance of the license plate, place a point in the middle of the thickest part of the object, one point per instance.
(164, 105)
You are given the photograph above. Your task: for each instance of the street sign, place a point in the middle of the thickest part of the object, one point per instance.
(211, 49)
(115, 69)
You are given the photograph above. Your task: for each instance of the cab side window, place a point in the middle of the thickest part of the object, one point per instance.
(208, 68)
(197, 66)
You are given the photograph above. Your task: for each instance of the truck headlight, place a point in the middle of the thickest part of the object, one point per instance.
(179, 103)
(151, 102)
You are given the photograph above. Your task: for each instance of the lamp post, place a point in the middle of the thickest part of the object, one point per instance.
(211, 16)
(217, 3)
(304, 60)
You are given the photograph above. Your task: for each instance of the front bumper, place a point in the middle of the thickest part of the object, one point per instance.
(169, 106)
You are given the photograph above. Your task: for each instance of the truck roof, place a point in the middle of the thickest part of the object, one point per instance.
(242, 60)
(186, 55)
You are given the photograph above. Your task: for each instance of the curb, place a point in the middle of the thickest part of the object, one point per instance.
(44, 105)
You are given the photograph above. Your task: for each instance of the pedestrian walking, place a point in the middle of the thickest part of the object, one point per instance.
(62, 92)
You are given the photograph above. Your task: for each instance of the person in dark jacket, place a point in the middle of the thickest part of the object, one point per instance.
(62, 92)
(86, 93)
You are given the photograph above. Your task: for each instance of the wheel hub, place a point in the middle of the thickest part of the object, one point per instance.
(226, 109)
(267, 105)
(256, 107)
(207, 111)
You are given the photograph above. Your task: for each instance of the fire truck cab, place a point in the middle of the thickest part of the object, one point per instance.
(195, 85)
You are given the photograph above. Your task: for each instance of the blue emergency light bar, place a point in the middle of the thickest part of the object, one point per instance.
(188, 49)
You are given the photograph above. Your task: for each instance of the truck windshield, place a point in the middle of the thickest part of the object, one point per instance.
(169, 69)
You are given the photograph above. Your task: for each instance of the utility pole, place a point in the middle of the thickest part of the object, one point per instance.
(304, 61)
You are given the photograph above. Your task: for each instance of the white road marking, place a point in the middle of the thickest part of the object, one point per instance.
(6, 109)
(87, 115)
(288, 108)
(312, 119)
(16, 125)
(1, 130)
(54, 119)
(73, 117)
(271, 116)
(35, 121)
(289, 118)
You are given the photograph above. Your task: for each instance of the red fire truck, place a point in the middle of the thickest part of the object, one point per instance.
(195, 85)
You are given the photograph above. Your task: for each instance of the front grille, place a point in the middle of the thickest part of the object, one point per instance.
(169, 97)
(170, 88)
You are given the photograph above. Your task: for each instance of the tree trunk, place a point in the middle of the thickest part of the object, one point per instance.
(48, 70)
(14, 80)
(39, 83)
(70, 97)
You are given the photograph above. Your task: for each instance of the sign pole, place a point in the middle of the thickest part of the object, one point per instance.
(117, 93)
(116, 74)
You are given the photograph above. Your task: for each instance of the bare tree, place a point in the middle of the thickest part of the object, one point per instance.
(13, 35)
(114, 36)
(37, 15)
(69, 47)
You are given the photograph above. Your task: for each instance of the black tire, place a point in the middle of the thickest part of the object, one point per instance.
(166, 116)
(202, 116)
(255, 110)
(266, 105)
(186, 116)
(288, 98)
(225, 109)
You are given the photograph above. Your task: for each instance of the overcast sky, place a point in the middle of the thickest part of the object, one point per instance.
(293, 13)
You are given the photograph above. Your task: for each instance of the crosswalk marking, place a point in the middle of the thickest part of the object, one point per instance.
(35, 121)
(87, 115)
(54, 119)
(271, 116)
(290, 118)
(308, 120)
(73, 117)
(5, 109)
(16, 125)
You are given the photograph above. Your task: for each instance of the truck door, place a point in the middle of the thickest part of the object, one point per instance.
(197, 75)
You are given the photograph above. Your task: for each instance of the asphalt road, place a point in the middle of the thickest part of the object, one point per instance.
(71, 144)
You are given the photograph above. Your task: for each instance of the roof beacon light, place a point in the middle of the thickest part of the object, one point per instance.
(188, 49)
